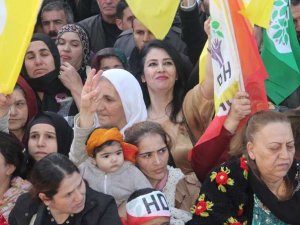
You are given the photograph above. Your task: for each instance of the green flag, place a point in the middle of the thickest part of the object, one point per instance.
(281, 53)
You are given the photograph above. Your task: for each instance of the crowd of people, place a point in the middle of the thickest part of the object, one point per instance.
(102, 126)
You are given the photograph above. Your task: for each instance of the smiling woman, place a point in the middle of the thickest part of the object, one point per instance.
(183, 115)
(60, 196)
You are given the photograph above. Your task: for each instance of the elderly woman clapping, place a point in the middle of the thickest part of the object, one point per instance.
(261, 186)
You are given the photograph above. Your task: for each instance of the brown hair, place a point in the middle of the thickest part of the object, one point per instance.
(255, 123)
(247, 134)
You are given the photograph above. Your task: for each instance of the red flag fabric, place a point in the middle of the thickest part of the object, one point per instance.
(253, 73)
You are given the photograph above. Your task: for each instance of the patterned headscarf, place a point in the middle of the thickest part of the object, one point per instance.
(83, 38)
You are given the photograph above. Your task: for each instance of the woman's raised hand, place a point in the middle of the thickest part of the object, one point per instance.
(207, 27)
(6, 102)
(89, 99)
(240, 108)
(70, 77)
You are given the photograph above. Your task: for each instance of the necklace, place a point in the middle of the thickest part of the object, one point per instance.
(68, 221)
(157, 118)
(151, 118)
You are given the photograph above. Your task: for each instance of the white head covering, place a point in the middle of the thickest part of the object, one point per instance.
(130, 93)
(147, 207)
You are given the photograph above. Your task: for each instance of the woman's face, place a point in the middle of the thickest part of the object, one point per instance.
(273, 151)
(38, 59)
(70, 49)
(159, 71)
(153, 157)
(70, 196)
(18, 111)
(110, 109)
(42, 140)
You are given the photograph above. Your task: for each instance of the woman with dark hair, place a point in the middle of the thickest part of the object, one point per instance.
(154, 146)
(60, 196)
(11, 185)
(46, 133)
(260, 185)
(184, 116)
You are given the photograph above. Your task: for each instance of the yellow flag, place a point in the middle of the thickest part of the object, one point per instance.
(156, 15)
(202, 63)
(259, 12)
(17, 20)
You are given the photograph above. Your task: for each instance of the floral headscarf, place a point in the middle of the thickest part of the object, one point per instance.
(83, 38)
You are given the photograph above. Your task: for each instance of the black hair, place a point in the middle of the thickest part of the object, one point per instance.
(101, 147)
(48, 173)
(137, 131)
(179, 90)
(59, 5)
(140, 192)
(121, 6)
(295, 2)
(11, 149)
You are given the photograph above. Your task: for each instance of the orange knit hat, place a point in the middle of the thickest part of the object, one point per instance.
(101, 135)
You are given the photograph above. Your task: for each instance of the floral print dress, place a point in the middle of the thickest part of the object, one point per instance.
(227, 198)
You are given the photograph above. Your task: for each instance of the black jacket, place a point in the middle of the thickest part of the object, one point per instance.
(100, 209)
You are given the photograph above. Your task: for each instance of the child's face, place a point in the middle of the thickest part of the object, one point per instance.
(110, 158)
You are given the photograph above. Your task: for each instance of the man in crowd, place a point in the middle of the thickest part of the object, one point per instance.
(102, 28)
(54, 16)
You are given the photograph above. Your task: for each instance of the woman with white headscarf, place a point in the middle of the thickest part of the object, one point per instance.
(111, 99)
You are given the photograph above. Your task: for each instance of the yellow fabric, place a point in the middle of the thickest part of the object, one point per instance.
(227, 95)
(17, 20)
(156, 15)
(259, 12)
(202, 63)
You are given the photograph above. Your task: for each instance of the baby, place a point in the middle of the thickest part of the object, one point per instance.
(110, 168)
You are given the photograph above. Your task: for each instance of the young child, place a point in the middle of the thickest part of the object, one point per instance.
(109, 168)
(147, 207)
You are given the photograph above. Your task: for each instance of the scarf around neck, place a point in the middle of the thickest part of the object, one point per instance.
(287, 211)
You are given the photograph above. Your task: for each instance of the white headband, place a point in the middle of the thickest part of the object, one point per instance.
(147, 206)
